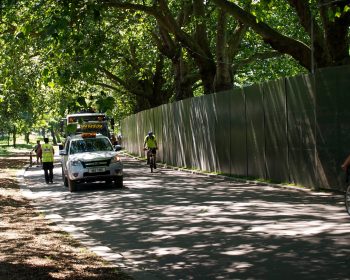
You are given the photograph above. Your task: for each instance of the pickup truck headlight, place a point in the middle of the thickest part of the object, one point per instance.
(75, 162)
(115, 159)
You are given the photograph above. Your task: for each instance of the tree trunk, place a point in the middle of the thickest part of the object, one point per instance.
(14, 136)
(172, 49)
(53, 135)
(57, 133)
(183, 83)
(205, 61)
(26, 136)
(223, 77)
(196, 44)
(207, 70)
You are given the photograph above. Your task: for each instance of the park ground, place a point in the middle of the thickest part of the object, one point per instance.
(31, 247)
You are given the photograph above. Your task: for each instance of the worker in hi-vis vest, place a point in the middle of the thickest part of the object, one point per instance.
(47, 159)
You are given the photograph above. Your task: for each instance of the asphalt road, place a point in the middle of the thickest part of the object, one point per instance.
(178, 225)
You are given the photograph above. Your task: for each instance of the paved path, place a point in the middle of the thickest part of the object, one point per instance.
(177, 225)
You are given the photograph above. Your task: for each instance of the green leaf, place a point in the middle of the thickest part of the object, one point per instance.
(45, 72)
(51, 84)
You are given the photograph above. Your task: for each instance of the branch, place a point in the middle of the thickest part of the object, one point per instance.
(309, 23)
(112, 77)
(129, 6)
(106, 86)
(236, 38)
(121, 82)
(164, 17)
(165, 44)
(300, 51)
(256, 56)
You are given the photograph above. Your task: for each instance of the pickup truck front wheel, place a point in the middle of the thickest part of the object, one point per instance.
(72, 185)
(118, 182)
(64, 178)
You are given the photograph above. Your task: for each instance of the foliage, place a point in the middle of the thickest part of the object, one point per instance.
(314, 34)
(120, 57)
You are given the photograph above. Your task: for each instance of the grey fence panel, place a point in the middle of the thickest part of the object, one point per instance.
(126, 126)
(333, 129)
(134, 127)
(177, 150)
(255, 131)
(198, 126)
(167, 146)
(301, 130)
(343, 94)
(208, 113)
(179, 133)
(296, 129)
(139, 133)
(129, 133)
(203, 126)
(224, 107)
(188, 143)
(239, 159)
(158, 130)
(230, 132)
(276, 152)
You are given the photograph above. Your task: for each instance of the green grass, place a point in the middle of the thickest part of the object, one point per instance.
(8, 150)
(21, 146)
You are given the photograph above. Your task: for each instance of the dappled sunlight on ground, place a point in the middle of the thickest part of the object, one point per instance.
(30, 247)
(177, 225)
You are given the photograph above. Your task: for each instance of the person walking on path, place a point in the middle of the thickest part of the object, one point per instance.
(38, 151)
(47, 158)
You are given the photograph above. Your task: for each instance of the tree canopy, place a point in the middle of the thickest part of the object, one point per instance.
(126, 56)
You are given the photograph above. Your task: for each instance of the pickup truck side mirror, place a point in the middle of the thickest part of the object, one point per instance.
(117, 148)
(63, 153)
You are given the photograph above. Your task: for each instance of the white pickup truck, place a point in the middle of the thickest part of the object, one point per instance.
(90, 157)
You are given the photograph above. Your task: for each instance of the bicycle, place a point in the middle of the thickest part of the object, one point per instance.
(151, 155)
(347, 193)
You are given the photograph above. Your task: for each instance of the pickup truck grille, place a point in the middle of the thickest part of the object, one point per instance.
(99, 163)
(87, 174)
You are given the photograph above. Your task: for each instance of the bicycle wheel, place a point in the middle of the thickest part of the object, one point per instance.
(347, 199)
(151, 163)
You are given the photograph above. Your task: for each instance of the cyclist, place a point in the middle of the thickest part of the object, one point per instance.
(151, 145)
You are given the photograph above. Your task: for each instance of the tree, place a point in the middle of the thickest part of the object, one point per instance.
(112, 53)
(326, 24)
(184, 75)
(196, 44)
(140, 54)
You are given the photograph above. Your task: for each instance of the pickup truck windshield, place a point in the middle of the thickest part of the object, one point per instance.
(90, 145)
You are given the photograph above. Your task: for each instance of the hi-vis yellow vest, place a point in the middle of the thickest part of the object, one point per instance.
(47, 153)
(151, 142)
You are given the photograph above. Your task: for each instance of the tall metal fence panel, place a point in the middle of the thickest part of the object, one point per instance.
(333, 126)
(255, 128)
(275, 130)
(301, 123)
(231, 134)
(295, 129)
